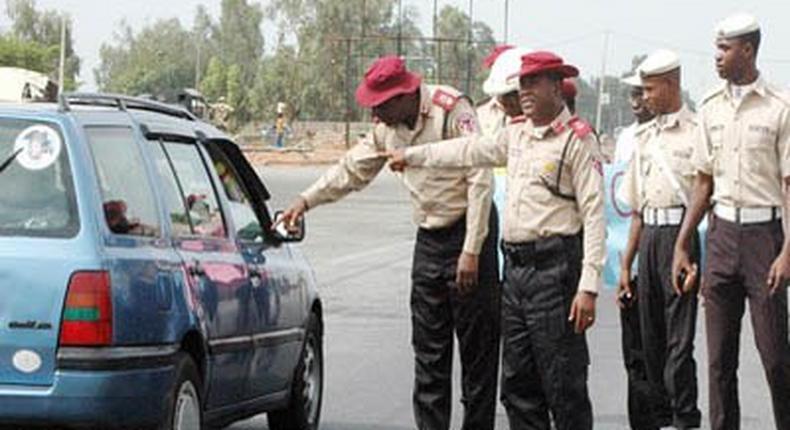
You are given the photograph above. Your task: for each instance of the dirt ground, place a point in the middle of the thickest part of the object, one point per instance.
(267, 156)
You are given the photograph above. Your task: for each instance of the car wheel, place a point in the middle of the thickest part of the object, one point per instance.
(185, 406)
(304, 410)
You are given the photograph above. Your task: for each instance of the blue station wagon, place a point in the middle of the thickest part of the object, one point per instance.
(141, 282)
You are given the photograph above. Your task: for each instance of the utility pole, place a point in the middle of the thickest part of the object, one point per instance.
(437, 54)
(62, 65)
(601, 80)
(507, 15)
(469, 49)
(400, 28)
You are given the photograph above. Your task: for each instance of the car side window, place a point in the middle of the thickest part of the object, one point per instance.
(199, 198)
(127, 197)
(175, 203)
(248, 226)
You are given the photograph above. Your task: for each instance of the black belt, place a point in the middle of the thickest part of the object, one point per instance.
(524, 253)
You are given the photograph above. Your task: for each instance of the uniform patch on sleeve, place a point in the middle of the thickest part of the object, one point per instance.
(466, 123)
(444, 100)
(580, 127)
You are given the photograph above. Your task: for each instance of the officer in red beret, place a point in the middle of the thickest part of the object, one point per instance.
(455, 269)
(554, 240)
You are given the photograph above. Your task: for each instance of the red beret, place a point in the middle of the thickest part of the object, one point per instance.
(568, 89)
(544, 61)
(386, 78)
(488, 62)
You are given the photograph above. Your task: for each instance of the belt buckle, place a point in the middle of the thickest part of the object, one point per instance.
(737, 215)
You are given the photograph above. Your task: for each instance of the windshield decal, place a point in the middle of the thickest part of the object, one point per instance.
(39, 147)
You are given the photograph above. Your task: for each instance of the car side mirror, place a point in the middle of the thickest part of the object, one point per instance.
(283, 234)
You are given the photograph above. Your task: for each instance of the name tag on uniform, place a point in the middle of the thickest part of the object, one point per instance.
(762, 130)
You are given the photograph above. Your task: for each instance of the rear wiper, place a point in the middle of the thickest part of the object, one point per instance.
(7, 161)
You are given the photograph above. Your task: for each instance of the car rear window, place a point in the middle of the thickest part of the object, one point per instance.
(36, 188)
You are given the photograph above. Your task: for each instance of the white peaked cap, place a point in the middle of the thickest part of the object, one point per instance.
(504, 76)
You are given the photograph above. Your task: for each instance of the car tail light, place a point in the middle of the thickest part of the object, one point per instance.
(87, 316)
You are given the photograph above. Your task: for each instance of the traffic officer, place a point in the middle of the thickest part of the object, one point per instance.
(641, 403)
(624, 148)
(491, 113)
(455, 270)
(656, 185)
(553, 243)
(743, 164)
(502, 86)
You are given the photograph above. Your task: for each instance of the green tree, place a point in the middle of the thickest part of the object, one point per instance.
(156, 60)
(239, 37)
(335, 41)
(459, 59)
(15, 52)
(214, 84)
(235, 87)
(37, 32)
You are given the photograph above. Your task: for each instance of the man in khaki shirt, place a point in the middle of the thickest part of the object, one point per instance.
(742, 157)
(455, 270)
(657, 186)
(553, 242)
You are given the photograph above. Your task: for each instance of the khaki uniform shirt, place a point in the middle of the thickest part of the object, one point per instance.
(439, 197)
(492, 117)
(745, 145)
(533, 155)
(671, 137)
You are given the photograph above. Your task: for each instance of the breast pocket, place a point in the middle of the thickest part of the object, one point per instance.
(760, 137)
(553, 175)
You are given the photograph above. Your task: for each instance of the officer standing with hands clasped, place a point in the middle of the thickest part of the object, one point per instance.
(657, 186)
(553, 243)
(743, 162)
(455, 272)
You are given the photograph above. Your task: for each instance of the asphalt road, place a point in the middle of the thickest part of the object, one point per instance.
(361, 251)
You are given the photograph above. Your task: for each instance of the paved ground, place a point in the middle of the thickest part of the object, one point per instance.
(361, 251)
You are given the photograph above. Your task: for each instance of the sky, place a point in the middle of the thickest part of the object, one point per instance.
(574, 29)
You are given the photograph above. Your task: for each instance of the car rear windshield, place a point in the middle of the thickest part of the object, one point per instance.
(36, 189)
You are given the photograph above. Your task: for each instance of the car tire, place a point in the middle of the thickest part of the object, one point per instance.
(185, 402)
(304, 408)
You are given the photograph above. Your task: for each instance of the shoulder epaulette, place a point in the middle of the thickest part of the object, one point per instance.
(711, 94)
(445, 99)
(580, 127)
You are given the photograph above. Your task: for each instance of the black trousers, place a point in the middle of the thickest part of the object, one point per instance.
(545, 363)
(739, 258)
(438, 313)
(668, 325)
(646, 409)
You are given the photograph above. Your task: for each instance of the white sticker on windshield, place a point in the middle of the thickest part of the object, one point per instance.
(39, 147)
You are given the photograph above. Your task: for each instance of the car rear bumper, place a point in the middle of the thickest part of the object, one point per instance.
(93, 392)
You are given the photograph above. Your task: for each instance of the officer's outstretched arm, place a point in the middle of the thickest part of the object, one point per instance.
(353, 172)
(470, 151)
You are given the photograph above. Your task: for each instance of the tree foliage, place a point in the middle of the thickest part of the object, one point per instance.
(34, 41)
(319, 54)
(154, 61)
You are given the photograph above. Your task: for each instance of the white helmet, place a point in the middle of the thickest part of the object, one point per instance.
(504, 76)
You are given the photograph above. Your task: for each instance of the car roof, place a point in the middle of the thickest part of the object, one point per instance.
(154, 117)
